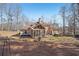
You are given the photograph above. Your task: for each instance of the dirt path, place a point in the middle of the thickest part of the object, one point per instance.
(21, 48)
(5, 47)
(41, 49)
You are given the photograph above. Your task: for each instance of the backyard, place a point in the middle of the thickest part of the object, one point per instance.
(48, 46)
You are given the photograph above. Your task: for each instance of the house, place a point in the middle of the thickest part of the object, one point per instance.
(36, 30)
(39, 29)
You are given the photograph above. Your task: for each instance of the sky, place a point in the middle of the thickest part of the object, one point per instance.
(35, 10)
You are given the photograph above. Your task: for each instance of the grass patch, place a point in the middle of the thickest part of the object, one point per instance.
(62, 39)
(18, 39)
(1, 43)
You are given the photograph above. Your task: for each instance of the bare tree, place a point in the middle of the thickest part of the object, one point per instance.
(1, 14)
(18, 13)
(73, 18)
(9, 17)
(63, 17)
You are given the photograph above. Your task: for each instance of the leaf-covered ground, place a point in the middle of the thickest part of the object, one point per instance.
(15, 47)
(48, 46)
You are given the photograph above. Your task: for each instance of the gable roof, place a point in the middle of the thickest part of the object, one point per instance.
(37, 25)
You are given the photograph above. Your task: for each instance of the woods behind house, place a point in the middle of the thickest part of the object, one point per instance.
(13, 19)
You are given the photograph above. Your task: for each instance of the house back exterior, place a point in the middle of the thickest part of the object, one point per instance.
(39, 29)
